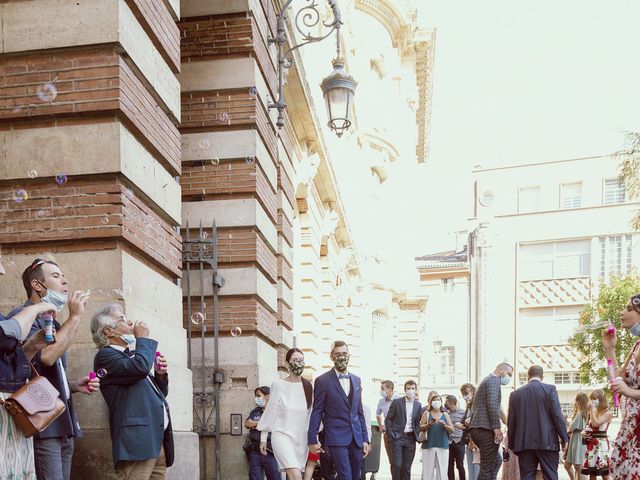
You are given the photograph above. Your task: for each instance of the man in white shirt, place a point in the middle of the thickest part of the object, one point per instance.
(402, 425)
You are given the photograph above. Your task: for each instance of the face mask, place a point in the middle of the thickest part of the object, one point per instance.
(260, 401)
(128, 338)
(467, 398)
(296, 367)
(341, 362)
(57, 299)
(635, 330)
(383, 395)
(596, 402)
(505, 380)
(411, 394)
(436, 404)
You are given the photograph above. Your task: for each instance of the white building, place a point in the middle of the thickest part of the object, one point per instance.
(548, 234)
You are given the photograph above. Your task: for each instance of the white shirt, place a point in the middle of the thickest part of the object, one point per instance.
(153, 385)
(408, 404)
(345, 382)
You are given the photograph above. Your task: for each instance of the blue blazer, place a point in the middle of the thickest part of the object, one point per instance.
(342, 416)
(535, 418)
(396, 418)
(136, 418)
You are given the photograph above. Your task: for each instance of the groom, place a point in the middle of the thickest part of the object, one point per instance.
(337, 403)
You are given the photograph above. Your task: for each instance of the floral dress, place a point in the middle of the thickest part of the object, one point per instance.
(625, 456)
(596, 456)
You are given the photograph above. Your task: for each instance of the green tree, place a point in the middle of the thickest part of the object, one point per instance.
(587, 340)
(629, 158)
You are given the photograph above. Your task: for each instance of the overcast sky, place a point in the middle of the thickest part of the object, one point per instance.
(516, 82)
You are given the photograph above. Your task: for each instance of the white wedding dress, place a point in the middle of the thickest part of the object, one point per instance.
(286, 417)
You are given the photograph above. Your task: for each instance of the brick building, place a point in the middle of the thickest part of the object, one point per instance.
(124, 121)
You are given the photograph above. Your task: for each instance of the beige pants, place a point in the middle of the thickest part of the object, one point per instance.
(153, 469)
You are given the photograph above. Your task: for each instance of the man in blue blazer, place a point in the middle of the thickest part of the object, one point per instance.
(139, 420)
(402, 424)
(337, 403)
(536, 427)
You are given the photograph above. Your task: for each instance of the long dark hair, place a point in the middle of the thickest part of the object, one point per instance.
(306, 384)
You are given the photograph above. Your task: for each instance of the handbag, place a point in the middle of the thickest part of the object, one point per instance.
(422, 436)
(35, 405)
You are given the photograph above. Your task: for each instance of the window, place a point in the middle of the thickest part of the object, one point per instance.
(616, 255)
(547, 326)
(529, 199)
(447, 284)
(613, 191)
(522, 378)
(561, 378)
(567, 409)
(575, 377)
(448, 360)
(571, 195)
(547, 261)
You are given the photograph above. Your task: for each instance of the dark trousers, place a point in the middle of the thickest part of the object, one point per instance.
(529, 460)
(53, 458)
(387, 446)
(456, 458)
(490, 461)
(347, 461)
(403, 451)
(259, 465)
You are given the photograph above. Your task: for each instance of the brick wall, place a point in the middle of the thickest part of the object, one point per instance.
(89, 210)
(96, 82)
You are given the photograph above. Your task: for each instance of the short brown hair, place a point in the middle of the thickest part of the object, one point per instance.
(465, 387)
(337, 344)
(409, 383)
(34, 272)
(388, 384)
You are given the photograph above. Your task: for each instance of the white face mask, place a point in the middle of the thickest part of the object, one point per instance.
(411, 394)
(436, 404)
(467, 398)
(595, 402)
(260, 402)
(383, 394)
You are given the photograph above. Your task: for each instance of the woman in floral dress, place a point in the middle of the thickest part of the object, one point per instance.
(625, 455)
(596, 457)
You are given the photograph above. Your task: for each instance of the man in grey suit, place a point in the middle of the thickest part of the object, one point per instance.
(485, 419)
(535, 425)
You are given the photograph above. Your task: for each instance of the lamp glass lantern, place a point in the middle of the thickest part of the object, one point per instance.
(338, 90)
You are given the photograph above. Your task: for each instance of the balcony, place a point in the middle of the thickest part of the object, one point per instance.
(549, 293)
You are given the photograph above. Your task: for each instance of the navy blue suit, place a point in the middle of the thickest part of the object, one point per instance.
(345, 428)
(136, 417)
(536, 427)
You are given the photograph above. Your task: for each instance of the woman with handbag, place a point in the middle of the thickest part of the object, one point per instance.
(15, 370)
(575, 450)
(596, 459)
(435, 450)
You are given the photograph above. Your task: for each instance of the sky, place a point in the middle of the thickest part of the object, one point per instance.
(520, 82)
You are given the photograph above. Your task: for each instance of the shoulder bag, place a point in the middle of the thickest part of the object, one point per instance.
(35, 405)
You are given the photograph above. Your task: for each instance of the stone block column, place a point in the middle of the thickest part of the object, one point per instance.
(91, 154)
(234, 172)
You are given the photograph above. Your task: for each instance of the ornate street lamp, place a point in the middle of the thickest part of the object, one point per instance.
(338, 88)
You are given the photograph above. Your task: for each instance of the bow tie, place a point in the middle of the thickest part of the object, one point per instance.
(343, 375)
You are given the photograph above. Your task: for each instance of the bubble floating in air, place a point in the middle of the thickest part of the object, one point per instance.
(20, 195)
(47, 92)
(203, 144)
(33, 173)
(197, 318)
(236, 331)
(250, 160)
(61, 179)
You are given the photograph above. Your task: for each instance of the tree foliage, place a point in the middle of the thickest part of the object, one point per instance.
(629, 158)
(587, 340)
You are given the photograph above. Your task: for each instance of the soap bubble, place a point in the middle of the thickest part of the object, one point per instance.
(105, 219)
(253, 91)
(236, 331)
(197, 318)
(61, 179)
(32, 174)
(203, 144)
(204, 235)
(126, 290)
(47, 92)
(250, 160)
(41, 213)
(223, 117)
(215, 161)
(20, 195)
(101, 373)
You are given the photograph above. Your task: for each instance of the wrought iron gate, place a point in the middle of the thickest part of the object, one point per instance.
(200, 261)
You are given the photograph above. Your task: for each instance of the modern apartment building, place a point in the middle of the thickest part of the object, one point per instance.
(548, 234)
